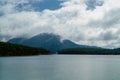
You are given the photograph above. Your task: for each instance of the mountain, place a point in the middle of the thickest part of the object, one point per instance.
(8, 49)
(17, 40)
(47, 41)
(70, 44)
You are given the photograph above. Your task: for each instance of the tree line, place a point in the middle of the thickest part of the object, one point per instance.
(8, 49)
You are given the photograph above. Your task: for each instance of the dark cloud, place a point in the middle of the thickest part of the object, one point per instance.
(108, 35)
(92, 4)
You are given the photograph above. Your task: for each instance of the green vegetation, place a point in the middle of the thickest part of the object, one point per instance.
(8, 49)
(90, 51)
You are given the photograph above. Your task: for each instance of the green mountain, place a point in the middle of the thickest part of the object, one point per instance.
(90, 51)
(8, 49)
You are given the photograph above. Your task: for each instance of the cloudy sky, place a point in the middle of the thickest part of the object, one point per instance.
(87, 22)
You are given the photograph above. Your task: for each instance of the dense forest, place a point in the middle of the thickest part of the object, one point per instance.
(90, 51)
(8, 49)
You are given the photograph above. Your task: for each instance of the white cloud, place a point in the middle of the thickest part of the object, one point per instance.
(99, 27)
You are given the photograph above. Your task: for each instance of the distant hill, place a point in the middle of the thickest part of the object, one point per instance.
(47, 41)
(17, 40)
(90, 51)
(8, 49)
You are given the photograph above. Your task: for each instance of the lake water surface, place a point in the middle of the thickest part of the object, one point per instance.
(60, 67)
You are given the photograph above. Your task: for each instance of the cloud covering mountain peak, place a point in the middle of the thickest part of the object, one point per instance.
(88, 22)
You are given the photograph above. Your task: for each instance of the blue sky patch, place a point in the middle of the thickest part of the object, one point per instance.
(92, 4)
(40, 6)
(1, 13)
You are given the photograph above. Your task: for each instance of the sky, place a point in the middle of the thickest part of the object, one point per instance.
(86, 22)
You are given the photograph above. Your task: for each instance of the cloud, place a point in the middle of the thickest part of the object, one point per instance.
(9, 6)
(97, 26)
(92, 4)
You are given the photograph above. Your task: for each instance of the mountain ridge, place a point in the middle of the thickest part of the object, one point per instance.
(47, 41)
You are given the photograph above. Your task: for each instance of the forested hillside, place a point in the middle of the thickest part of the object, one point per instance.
(8, 49)
(90, 51)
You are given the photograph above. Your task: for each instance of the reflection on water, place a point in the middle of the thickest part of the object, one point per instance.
(60, 67)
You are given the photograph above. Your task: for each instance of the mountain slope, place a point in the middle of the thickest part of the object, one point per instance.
(8, 49)
(16, 40)
(47, 41)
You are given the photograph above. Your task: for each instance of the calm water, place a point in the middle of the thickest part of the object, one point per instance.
(60, 67)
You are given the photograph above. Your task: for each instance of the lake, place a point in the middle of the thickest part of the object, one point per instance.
(60, 67)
